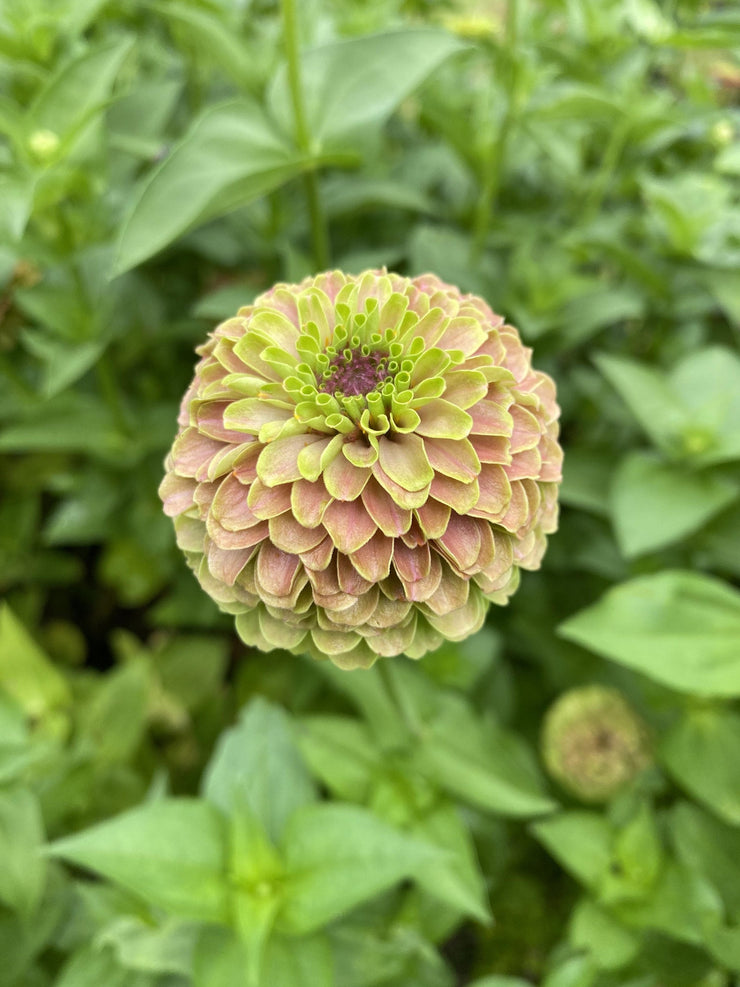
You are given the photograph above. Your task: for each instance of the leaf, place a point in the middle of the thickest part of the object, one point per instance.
(79, 87)
(456, 880)
(231, 155)
(486, 766)
(594, 930)
(648, 396)
(16, 203)
(227, 50)
(22, 869)
(581, 842)
(680, 628)
(138, 946)
(354, 84)
(113, 722)
(91, 967)
(172, 853)
(710, 848)
(257, 764)
(342, 753)
(655, 504)
(709, 384)
(220, 961)
(338, 856)
(26, 674)
(702, 753)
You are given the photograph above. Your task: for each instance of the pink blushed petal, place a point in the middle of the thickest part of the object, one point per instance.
(349, 525)
(373, 559)
(461, 542)
(389, 517)
(176, 494)
(308, 501)
(276, 570)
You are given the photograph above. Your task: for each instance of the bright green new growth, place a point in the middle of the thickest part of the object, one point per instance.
(594, 743)
(363, 464)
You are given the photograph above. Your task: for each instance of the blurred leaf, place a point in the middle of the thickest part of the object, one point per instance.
(342, 753)
(581, 842)
(356, 83)
(114, 720)
(172, 853)
(78, 88)
(26, 674)
(230, 155)
(486, 766)
(594, 930)
(16, 203)
(456, 881)
(257, 764)
(680, 628)
(164, 949)
(209, 34)
(711, 848)
(91, 967)
(655, 504)
(702, 753)
(22, 868)
(338, 856)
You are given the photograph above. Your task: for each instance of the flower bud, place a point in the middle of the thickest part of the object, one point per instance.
(593, 742)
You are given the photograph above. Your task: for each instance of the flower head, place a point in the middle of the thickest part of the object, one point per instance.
(363, 463)
(594, 743)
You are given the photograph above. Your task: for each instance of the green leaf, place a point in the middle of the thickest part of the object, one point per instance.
(26, 674)
(91, 967)
(710, 848)
(172, 853)
(708, 382)
(457, 880)
(354, 84)
(702, 753)
(114, 720)
(484, 765)
(80, 87)
(220, 961)
(655, 504)
(594, 930)
(231, 155)
(138, 946)
(22, 868)
(680, 628)
(581, 842)
(211, 35)
(649, 397)
(341, 752)
(338, 856)
(257, 764)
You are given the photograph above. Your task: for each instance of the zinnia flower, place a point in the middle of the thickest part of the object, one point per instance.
(594, 743)
(363, 464)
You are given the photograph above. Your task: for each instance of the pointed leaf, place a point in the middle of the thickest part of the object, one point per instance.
(257, 764)
(680, 628)
(172, 853)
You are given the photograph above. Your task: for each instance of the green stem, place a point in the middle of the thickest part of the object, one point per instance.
(495, 159)
(319, 235)
(408, 713)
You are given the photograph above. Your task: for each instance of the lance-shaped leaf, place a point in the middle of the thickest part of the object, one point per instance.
(172, 853)
(356, 83)
(680, 628)
(231, 155)
(338, 856)
(257, 764)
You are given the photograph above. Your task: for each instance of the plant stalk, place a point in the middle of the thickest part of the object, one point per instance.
(319, 234)
(495, 160)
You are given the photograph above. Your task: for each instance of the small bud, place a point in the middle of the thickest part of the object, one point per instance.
(593, 743)
(722, 133)
(43, 145)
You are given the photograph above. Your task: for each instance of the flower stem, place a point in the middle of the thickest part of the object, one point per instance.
(319, 235)
(495, 157)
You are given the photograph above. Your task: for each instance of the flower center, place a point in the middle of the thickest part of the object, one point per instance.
(353, 372)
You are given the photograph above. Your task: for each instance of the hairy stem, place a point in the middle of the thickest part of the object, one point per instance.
(495, 159)
(319, 235)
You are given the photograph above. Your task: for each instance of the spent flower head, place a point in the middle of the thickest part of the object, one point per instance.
(363, 464)
(594, 743)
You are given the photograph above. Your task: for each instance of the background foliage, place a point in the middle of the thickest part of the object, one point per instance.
(264, 819)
